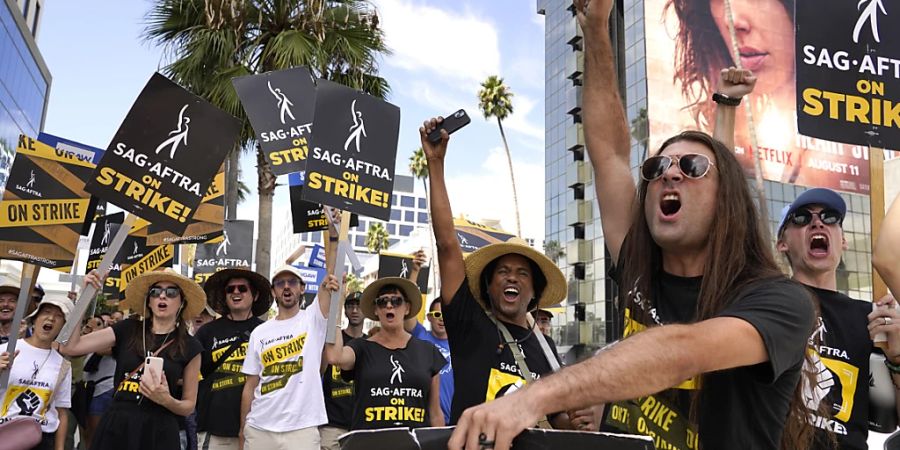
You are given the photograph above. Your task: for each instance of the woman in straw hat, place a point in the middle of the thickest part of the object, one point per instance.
(146, 405)
(40, 381)
(397, 377)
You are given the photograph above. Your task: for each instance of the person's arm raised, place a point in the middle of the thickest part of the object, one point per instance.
(606, 131)
(449, 254)
(886, 258)
(419, 260)
(733, 83)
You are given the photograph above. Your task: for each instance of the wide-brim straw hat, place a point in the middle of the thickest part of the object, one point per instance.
(215, 290)
(553, 293)
(409, 289)
(136, 293)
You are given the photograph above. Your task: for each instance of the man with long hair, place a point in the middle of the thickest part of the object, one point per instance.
(715, 335)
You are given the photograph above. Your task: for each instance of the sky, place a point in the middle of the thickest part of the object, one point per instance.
(440, 53)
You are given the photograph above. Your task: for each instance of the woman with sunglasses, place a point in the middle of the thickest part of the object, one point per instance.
(146, 405)
(397, 376)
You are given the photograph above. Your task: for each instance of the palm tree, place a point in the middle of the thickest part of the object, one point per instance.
(352, 284)
(554, 250)
(376, 237)
(210, 42)
(495, 100)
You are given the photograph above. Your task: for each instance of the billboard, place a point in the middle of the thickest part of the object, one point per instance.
(687, 45)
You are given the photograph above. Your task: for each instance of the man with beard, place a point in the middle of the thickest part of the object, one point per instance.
(811, 237)
(338, 392)
(9, 297)
(239, 296)
(282, 404)
(715, 335)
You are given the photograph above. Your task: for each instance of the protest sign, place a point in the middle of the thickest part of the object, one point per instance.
(312, 276)
(163, 158)
(45, 208)
(104, 229)
(280, 106)
(352, 152)
(153, 258)
(530, 439)
(233, 249)
(317, 256)
(848, 73)
(206, 224)
(399, 265)
(473, 235)
(305, 215)
(83, 151)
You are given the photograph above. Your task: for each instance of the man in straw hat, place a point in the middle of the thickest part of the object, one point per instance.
(282, 405)
(486, 300)
(240, 296)
(713, 328)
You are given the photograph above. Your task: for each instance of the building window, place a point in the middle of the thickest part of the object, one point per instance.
(25, 9)
(409, 216)
(392, 228)
(407, 201)
(423, 217)
(405, 230)
(34, 22)
(360, 240)
(395, 214)
(422, 204)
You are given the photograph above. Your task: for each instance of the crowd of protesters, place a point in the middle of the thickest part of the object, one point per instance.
(737, 354)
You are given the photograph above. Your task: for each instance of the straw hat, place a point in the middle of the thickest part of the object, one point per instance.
(136, 292)
(408, 288)
(553, 293)
(215, 290)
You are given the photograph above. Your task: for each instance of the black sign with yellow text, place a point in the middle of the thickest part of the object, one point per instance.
(136, 257)
(104, 229)
(231, 250)
(45, 207)
(306, 216)
(206, 223)
(848, 71)
(280, 106)
(352, 151)
(162, 160)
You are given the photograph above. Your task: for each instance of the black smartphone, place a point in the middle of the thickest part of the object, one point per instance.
(451, 123)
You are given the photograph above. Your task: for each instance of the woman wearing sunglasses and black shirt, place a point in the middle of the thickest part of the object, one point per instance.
(397, 376)
(145, 410)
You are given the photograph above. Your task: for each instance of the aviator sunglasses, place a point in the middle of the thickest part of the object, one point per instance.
(692, 165)
(804, 217)
(394, 300)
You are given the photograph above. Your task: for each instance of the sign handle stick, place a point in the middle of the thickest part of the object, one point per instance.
(334, 311)
(89, 292)
(29, 277)
(876, 197)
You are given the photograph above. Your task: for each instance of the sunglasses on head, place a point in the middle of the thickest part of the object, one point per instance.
(171, 292)
(242, 288)
(394, 300)
(435, 314)
(803, 217)
(692, 165)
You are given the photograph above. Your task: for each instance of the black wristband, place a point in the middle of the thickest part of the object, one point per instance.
(891, 366)
(723, 99)
(332, 239)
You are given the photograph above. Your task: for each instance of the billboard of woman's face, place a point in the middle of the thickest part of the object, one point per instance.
(689, 41)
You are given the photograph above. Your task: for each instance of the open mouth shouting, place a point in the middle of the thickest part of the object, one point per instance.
(511, 293)
(670, 205)
(819, 245)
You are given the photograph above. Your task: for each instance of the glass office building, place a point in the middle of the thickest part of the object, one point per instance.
(24, 78)
(572, 216)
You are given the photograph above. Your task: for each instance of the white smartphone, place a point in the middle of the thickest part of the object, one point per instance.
(154, 364)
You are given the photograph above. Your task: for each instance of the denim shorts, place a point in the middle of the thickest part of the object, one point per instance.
(100, 403)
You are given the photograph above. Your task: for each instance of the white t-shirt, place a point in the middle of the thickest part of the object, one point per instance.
(32, 395)
(104, 375)
(287, 355)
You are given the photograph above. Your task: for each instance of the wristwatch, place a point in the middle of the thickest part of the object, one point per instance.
(723, 99)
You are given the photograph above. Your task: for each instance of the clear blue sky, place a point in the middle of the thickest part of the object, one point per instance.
(441, 51)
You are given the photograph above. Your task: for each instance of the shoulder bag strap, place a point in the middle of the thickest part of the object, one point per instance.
(141, 365)
(244, 337)
(520, 360)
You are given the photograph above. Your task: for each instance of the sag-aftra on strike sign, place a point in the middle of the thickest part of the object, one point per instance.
(164, 156)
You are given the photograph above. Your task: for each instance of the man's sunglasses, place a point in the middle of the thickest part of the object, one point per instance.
(242, 288)
(394, 300)
(804, 217)
(435, 315)
(692, 165)
(292, 282)
(171, 292)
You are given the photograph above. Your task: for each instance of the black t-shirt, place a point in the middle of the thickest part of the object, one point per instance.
(393, 385)
(741, 408)
(339, 393)
(219, 396)
(483, 367)
(842, 364)
(127, 360)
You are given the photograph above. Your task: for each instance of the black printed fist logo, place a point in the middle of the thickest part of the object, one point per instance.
(28, 403)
